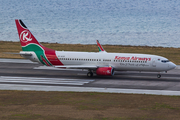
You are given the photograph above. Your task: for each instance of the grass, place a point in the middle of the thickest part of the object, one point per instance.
(91, 106)
(173, 54)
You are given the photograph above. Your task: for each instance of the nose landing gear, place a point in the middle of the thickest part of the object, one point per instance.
(158, 75)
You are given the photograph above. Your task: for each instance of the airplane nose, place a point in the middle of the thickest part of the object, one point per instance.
(172, 65)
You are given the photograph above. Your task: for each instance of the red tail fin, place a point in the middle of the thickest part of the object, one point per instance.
(100, 47)
(25, 36)
(29, 43)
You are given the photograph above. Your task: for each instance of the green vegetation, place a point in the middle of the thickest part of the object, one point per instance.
(173, 54)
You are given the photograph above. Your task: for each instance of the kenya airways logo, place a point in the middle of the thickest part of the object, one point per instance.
(25, 36)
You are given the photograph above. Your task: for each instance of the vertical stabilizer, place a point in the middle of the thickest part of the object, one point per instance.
(101, 49)
(30, 45)
(25, 36)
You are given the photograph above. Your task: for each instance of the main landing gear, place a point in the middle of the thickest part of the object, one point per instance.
(158, 75)
(90, 74)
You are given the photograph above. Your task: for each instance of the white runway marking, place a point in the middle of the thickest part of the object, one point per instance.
(152, 77)
(36, 80)
(86, 89)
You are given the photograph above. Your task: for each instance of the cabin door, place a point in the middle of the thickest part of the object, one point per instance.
(154, 63)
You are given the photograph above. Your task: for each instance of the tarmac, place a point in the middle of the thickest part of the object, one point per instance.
(21, 74)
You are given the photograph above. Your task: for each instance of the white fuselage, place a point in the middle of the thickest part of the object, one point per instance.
(119, 61)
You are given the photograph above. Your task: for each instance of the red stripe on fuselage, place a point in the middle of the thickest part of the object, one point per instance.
(51, 56)
(45, 61)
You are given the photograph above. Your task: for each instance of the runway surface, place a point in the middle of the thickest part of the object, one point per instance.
(17, 74)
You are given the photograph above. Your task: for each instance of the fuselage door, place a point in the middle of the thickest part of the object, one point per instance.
(154, 63)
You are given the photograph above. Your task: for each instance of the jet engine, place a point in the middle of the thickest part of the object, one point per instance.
(106, 71)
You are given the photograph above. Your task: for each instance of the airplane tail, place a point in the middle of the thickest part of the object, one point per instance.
(101, 49)
(32, 49)
(26, 37)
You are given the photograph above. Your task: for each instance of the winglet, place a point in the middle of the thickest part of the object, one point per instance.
(101, 49)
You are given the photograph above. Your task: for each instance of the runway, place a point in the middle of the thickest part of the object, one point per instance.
(20, 74)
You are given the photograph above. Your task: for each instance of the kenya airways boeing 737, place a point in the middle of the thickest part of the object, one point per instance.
(101, 63)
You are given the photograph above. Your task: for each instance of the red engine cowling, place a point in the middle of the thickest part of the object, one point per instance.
(106, 71)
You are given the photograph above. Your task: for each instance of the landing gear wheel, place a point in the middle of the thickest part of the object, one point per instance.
(89, 74)
(158, 76)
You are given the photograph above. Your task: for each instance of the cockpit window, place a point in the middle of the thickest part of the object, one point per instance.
(164, 61)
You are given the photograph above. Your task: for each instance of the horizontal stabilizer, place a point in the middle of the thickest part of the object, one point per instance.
(26, 54)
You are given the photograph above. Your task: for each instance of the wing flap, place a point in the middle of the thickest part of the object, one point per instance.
(77, 66)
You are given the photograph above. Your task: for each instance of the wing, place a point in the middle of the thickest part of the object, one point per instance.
(77, 66)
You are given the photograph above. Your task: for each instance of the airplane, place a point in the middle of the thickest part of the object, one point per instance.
(101, 63)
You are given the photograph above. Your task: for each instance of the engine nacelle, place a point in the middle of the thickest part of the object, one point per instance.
(106, 71)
